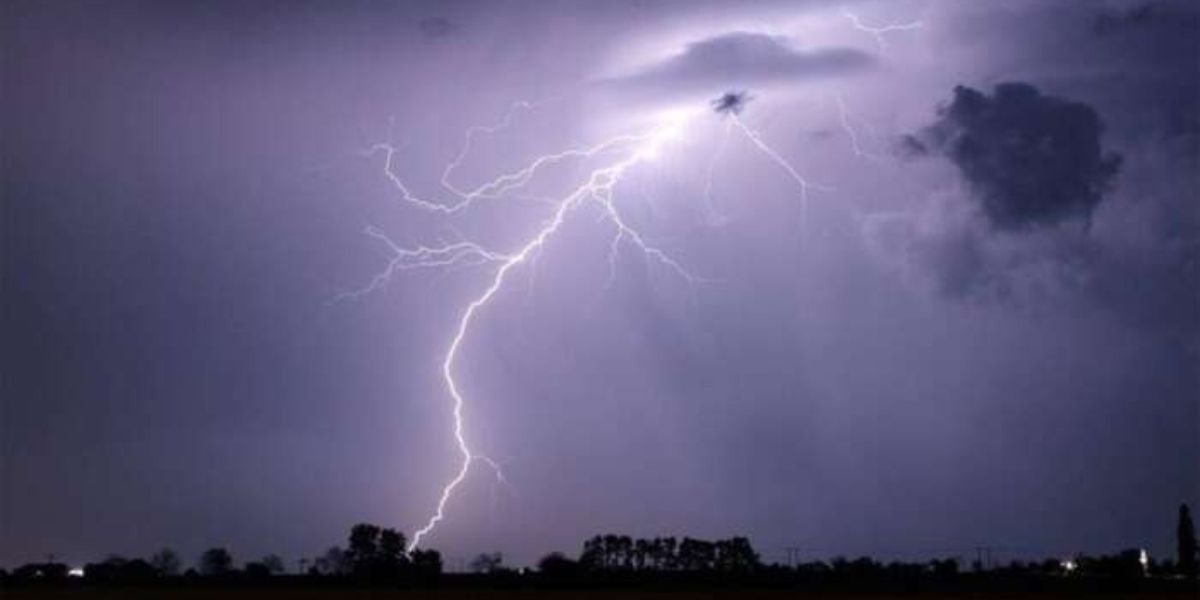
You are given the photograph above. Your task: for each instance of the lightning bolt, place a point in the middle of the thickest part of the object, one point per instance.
(496, 188)
(844, 117)
(597, 189)
(713, 216)
(756, 139)
(878, 32)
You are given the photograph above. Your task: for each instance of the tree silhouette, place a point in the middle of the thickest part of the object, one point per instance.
(376, 553)
(264, 567)
(1185, 535)
(696, 555)
(736, 554)
(273, 563)
(392, 557)
(166, 562)
(488, 563)
(377, 556)
(641, 553)
(118, 569)
(333, 562)
(612, 552)
(47, 571)
(426, 562)
(592, 558)
(624, 552)
(556, 564)
(364, 547)
(669, 558)
(216, 562)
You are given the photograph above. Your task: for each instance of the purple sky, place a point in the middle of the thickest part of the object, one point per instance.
(984, 329)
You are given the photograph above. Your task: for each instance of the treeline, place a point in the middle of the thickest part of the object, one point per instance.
(373, 555)
(377, 556)
(623, 553)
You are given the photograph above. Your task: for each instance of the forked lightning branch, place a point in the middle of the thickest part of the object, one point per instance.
(619, 155)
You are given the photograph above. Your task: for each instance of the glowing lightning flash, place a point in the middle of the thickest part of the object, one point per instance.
(878, 32)
(598, 187)
(804, 184)
(844, 118)
(710, 211)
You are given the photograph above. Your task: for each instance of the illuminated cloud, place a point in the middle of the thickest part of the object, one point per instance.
(1029, 158)
(740, 59)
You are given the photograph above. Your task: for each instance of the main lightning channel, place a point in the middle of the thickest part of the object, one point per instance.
(878, 32)
(493, 189)
(766, 149)
(598, 187)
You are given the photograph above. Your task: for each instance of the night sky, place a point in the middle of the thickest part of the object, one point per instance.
(978, 325)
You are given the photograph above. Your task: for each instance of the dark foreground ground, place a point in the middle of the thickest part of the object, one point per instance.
(85, 593)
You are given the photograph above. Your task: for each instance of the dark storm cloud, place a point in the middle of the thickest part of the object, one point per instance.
(1034, 161)
(1153, 286)
(964, 261)
(1030, 158)
(188, 195)
(1135, 62)
(1158, 290)
(740, 59)
(1152, 68)
(961, 265)
(1113, 21)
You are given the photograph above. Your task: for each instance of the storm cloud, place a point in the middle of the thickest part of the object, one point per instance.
(1108, 22)
(1033, 162)
(741, 59)
(1030, 158)
(187, 190)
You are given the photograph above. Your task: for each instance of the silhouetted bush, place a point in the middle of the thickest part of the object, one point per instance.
(425, 564)
(36, 572)
(117, 569)
(1119, 566)
(557, 566)
(376, 554)
(489, 563)
(216, 562)
(1185, 534)
(264, 567)
(166, 562)
(332, 563)
(621, 553)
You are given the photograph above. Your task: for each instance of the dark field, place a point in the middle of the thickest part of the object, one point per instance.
(83, 593)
